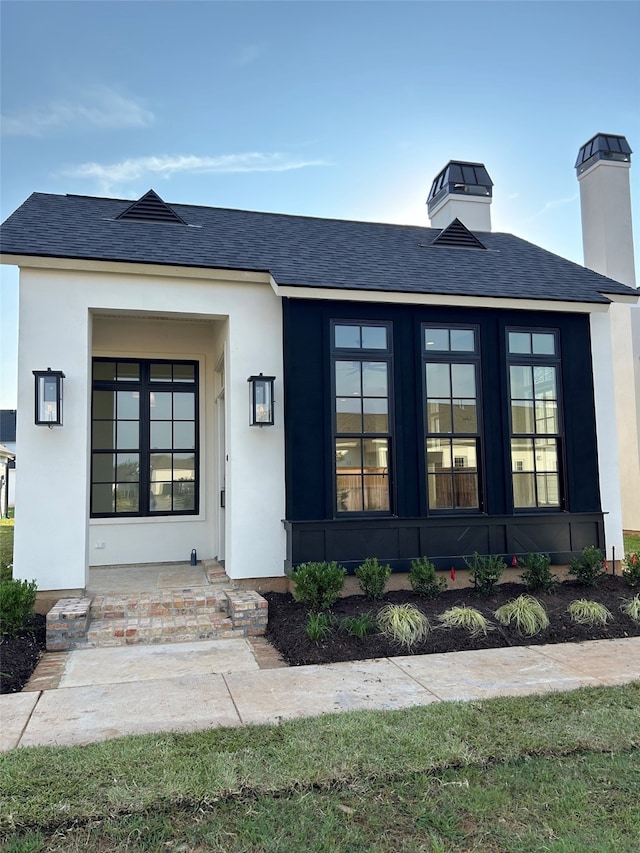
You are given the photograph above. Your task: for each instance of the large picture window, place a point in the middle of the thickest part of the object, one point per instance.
(535, 418)
(452, 417)
(362, 416)
(144, 438)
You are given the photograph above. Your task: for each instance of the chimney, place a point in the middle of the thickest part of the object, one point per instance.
(605, 201)
(461, 191)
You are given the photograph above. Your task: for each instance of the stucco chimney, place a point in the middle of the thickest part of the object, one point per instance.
(461, 191)
(605, 201)
(602, 168)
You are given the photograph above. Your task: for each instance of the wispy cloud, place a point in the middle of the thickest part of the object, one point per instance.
(246, 55)
(552, 205)
(95, 108)
(127, 171)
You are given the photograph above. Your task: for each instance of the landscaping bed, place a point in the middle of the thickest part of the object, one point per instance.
(288, 618)
(19, 655)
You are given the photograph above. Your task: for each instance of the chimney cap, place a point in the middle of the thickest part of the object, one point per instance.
(461, 178)
(603, 146)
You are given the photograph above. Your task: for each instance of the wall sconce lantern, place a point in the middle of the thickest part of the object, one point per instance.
(48, 397)
(261, 400)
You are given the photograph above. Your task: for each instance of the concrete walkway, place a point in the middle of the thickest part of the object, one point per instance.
(104, 693)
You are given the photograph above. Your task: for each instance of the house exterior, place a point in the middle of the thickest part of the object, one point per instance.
(438, 391)
(8, 442)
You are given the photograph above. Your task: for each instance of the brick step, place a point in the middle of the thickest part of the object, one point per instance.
(147, 630)
(170, 603)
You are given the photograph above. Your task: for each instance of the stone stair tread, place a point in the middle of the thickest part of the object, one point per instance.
(160, 629)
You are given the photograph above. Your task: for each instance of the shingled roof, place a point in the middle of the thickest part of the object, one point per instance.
(300, 251)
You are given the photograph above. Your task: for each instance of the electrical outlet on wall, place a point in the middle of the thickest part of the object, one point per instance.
(99, 545)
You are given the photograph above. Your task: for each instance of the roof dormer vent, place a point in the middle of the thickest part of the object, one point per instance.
(151, 208)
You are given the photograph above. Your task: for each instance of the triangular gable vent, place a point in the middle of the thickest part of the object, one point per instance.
(151, 208)
(456, 235)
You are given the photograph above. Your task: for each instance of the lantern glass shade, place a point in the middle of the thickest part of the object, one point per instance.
(48, 396)
(261, 400)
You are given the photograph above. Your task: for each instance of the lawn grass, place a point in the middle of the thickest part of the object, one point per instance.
(632, 543)
(6, 546)
(426, 778)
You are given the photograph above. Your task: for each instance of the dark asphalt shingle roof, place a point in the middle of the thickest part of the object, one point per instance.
(300, 251)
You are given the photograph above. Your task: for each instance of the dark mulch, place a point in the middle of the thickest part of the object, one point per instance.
(287, 620)
(19, 655)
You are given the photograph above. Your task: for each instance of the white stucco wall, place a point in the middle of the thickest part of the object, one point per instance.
(602, 359)
(60, 312)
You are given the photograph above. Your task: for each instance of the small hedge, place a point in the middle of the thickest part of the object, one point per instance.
(17, 605)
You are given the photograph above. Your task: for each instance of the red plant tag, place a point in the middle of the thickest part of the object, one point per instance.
(514, 562)
(453, 573)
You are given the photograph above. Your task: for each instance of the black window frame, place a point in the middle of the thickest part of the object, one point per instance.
(537, 360)
(144, 385)
(363, 354)
(451, 357)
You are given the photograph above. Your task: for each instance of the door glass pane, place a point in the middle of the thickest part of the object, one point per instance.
(104, 435)
(520, 342)
(523, 490)
(128, 405)
(104, 371)
(184, 466)
(349, 493)
(374, 379)
(184, 373)
(161, 434)
(104, 404)
(463, 340)
(160, 497)
(436, 340)
(128, 434)
(184, 496)
(438, 382)
(463, 380)
(376, 418)
(439, 416)
(347, 337)
(374, 337)
(464, 416)
(127, 497)
(521, 382)
(160, 373)
(544, 344)
(128, 469)
(128, 371)
(184, 434)
(184, 407)
(102, 497)
(160, 405)
(348, 379)
(348, 414)
(103, 468)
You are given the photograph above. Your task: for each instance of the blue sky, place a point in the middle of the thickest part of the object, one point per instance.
(333, 109)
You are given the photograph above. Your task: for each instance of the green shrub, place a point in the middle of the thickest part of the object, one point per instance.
(17, 603)
(631, 568)
(466, 617)
(424, 580)
(372, 577)
(358, 626)
(403, 624)
(632, 608)
(537, 574)
(589, 612)
(319, 625)
(318, 585)
(485, 571)
(525, 613)
(589, 566)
